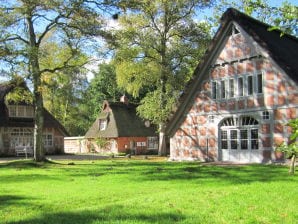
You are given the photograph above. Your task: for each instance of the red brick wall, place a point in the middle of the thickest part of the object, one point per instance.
(197, 137)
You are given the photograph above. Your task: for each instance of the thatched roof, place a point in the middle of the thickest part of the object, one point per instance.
(122, 121)
(282, 49)
(6, 121)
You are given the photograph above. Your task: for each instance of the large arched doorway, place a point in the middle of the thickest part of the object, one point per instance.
(239, 139)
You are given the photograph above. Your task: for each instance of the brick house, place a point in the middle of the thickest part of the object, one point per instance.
(17, 123)
(241, 96)
(119, 124)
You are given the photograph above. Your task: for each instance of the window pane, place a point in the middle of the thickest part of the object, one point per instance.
(234, 139)
(223, 89)
(260, 83)
(224, 135)
(21, 111)
(213, 90)
(231, 86)
(249, 85)
(224, 144)
(244, 140)
(240, 86)
(254, 139)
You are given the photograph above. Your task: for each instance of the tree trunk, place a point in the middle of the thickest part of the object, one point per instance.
(292, 165)
(162, 149)
(33, 47)
(39, 154)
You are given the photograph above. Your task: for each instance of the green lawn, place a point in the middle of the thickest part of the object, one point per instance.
(145, 191)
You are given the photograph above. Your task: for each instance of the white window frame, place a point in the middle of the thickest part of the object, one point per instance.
(102, 124)
(259, 89)
(48, 139)
(214, 89)
(24, 111)
(231, 92)
(240, 91)
(250, 86)
(223, 89)
(21, 137)
(152, 142)
(266, 115)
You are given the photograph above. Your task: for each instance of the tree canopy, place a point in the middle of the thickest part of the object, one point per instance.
(28, 26)
(158, 45)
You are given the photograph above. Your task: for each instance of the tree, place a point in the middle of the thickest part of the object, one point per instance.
(283, 17)
(291, 149)
(159, 44)
(27, 24)
(102, 87)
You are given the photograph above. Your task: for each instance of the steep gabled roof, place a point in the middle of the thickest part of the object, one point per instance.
(122, 121)
(283, 49)
(49, 120)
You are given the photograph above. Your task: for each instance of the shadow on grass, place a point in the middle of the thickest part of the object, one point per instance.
(110, 214)
(8, 200)
(155, 171)
(220, 174)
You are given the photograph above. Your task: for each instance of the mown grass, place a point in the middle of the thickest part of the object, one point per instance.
(145, 191)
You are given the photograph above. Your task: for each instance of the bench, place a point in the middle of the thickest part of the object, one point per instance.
(23, 150)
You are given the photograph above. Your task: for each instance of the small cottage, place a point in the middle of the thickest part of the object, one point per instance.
(17, 122)
(241, 96)
(118, 129)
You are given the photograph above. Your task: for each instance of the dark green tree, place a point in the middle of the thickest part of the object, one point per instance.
(26, 25)
(158, 47)
(283, 17)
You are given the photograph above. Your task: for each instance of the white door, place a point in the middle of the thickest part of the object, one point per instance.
(239, 141)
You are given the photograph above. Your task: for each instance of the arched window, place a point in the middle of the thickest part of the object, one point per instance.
(236, 122)
(239, 133)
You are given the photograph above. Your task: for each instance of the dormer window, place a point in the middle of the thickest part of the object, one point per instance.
(102, 123)
(24, 111)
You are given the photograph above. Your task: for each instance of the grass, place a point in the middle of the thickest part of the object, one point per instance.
(145, 191)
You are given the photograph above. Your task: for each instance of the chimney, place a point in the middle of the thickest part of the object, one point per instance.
(124, 99)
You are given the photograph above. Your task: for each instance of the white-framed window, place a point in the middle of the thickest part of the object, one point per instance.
(240, 86)
(102, 123)
(231, 88)
(152, 142)
(25, 111)
(239, 133)
(265, 115)
(214, 90)
(47, 139)
(250, 86)
(21, 137)
(259, 81)
(211, 118)
(223, 89)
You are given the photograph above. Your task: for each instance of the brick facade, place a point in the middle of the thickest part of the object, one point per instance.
(198, 137)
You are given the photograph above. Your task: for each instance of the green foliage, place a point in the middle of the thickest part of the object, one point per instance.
(283, 18)
(102, 142)
(292, 148)
(102, 87)
(158, 46)
(20, 92)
